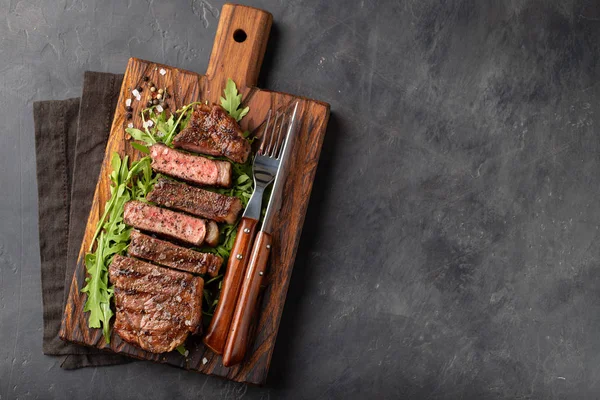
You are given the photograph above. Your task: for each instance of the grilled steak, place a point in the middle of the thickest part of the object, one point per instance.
(156, 307)
(170, 255)
(195, 169)
(170, 223)
(196, 201)
(212, 131)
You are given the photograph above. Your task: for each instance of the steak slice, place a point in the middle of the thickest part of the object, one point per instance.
(157, 308)
(212, 131)
(170, 223)
(191, 168)
(170, 255)
(196, 201)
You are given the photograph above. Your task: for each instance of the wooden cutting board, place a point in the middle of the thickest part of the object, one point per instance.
(238, 51)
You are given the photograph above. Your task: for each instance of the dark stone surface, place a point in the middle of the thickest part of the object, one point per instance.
(450, 249)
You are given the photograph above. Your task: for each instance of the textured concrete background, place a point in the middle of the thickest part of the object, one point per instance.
(450, 246)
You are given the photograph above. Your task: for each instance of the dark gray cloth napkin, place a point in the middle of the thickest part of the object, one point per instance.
(70, 139)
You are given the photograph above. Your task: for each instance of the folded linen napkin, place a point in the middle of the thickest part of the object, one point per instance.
(70, 138)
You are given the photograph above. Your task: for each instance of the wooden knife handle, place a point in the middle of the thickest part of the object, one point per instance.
(237, 341)
(216, 334)
(239, 47)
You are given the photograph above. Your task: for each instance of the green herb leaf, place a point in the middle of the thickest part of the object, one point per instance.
(163, 125)
(232, 100)
(211, 280)
(142, 136)
(140, 147)
(181, 349)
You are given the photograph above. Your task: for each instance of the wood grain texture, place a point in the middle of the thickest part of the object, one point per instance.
(242, 62)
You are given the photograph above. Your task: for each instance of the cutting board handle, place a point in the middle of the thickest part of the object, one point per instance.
(240, 45)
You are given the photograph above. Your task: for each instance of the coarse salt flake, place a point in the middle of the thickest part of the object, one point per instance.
(159, 108)
(128, 102)
(162, 71)
(148, 123)
(187, 353)
(130, 125)
(135, 93)
(204, 360)
(188, 322)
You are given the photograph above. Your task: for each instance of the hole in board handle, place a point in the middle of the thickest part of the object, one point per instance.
(239, 35)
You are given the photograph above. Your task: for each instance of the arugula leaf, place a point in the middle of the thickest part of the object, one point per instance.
(140, 147)
(112, 237)
(164, 125)
(96, 288)
(142, 136)
(232, 100)
(181, 349)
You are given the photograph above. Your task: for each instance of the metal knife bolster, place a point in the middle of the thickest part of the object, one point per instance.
(277, 192)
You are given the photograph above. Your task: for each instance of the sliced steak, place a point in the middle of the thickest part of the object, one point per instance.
(191, 168)
(157, 308)
(212, 131)
(170, 255)
(170, 223)
(196, 201)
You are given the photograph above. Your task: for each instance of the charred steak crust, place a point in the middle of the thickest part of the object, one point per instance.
(173, 256)
(212, 131)
(157, 308)
(169, 223)
(195, 201)
(189, 167)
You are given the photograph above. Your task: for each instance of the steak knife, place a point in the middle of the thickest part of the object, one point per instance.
(237, 339)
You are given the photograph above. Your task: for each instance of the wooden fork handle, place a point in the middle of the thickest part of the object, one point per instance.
(238, 259)
(237, 341)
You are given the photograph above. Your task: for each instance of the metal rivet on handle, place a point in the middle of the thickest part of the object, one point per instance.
(268, 246)
(246, 230)
(261, 273)
(239, 256)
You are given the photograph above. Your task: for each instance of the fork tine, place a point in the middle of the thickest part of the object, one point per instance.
(262, 148)
(280, 137)
(272, 136)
